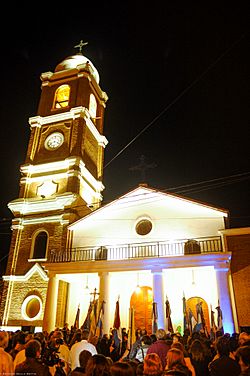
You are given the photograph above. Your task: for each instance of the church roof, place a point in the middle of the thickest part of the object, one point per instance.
(144, 195)
(74, 61)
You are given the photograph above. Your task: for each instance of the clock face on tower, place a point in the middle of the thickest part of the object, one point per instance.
(54, 141)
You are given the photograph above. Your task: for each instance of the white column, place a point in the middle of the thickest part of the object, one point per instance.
(104, 296)
(222, 276)
(49, 318)
(158, 296)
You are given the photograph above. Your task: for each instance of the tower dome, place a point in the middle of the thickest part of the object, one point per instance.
(74, 61)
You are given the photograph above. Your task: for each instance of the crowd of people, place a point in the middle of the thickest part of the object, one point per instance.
(65, 352)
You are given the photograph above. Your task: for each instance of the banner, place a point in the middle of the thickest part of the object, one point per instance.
(131, 329)
(154, 318)
(76, 323)
(99, 325)
(168, 317)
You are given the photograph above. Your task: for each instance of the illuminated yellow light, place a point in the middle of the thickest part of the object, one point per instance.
(32, 299)
(138, 289)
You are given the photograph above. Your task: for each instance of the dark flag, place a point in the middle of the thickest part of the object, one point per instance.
(117, 321)
(93, 318)
(219, 318)
(117, 332)
(213, 325)
(87, 321)
(201, 324)
(76, 323)
(154, 317)
(131, 331)
(185, 314)
(192, 321)
(168, 316)
(99, 326)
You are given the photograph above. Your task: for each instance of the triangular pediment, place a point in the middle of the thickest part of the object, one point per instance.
(168, 217)
(35, 269)
(143, 199)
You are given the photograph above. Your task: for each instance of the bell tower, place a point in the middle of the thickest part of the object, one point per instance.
(62, 175)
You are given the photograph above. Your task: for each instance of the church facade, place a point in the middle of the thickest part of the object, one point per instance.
(145, 247)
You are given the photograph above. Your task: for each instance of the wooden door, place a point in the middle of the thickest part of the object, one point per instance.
(142, 301)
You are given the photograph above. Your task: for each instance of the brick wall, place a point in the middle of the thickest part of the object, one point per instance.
(239, 245)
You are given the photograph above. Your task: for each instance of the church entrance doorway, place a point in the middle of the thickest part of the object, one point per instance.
(192, 305)
(142, 301)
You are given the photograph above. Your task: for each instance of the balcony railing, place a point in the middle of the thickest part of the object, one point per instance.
(137, 250)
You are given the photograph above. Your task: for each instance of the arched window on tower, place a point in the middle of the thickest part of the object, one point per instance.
(92, 106)
(40, 245)
(62, 96)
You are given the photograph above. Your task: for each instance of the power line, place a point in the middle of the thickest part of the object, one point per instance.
(189, 87)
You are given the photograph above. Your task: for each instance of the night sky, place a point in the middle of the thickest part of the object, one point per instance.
(177, 78)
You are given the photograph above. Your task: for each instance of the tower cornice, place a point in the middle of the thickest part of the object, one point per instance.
(74, 113)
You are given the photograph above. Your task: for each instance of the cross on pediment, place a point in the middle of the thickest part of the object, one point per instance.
(142, 167)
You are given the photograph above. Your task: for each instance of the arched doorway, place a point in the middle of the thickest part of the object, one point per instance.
(191, 304)
(141, 301)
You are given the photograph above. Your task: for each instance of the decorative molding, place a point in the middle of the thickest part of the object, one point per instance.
(30, 221)
(23, 278)
(74, 113)
(39, 205)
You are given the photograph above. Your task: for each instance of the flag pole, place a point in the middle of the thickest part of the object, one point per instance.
(99, 315)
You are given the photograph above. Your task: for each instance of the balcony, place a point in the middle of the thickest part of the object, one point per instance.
(137, 250)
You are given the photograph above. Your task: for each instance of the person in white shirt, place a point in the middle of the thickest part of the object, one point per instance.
(78, 347)
(6, 360)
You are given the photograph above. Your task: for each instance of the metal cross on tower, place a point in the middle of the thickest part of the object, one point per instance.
(80, 45)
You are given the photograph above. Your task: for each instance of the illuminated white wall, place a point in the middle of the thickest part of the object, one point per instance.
(200, 281)
(190, 281)
(172, 218)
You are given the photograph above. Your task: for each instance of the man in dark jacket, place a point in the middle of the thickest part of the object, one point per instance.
(32, 366)
(222, 363)
(161, 346)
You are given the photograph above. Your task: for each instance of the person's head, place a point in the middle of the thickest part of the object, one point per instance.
(97, 365)
(153, 337)
(143, 332)
(161, 334)
(85, 334)
(33, 349)
(121, 369)
(176, 337)
(178, 345)
(39, 336)
(146, 340)
(197, 350)
(222, 346)
(244, 338)
(4, 339)
(84, 356)
(19, 338)
(174, 357)
(243, 356)
(58, 337)
(152, 364)
(94, 340)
